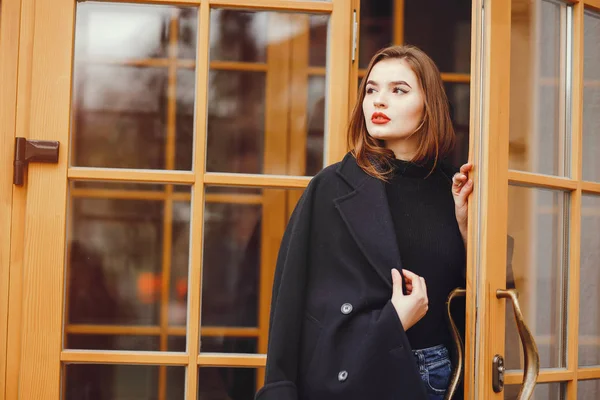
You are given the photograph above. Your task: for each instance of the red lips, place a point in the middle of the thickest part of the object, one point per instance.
(379, 118)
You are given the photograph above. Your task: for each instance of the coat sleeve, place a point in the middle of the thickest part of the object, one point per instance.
(287, 305)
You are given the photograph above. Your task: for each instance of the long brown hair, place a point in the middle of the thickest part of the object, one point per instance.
(436, 130)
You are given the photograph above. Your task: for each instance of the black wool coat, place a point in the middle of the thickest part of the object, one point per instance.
(334, 334)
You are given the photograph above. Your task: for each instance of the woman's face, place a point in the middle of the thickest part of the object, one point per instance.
(394, 102)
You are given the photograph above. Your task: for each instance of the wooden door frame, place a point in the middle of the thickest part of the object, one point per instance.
(9, 55)
(486, 262)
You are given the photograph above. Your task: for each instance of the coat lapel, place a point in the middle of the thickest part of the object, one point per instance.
(367, 215)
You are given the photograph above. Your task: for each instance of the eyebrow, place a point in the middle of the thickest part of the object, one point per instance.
(395, 83)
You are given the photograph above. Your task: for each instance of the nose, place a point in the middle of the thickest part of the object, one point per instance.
(379, 101)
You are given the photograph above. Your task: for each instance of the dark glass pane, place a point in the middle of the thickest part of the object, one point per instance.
(442, 29)
(318, 40)
(226, 383)
(258, 112)
(231, 264)
(229, 344)
(376, 28)
(120, 382)
(113, 342)
(459, 102)
(316, 125)
(236, 122)
(116, 259)
(177, 343)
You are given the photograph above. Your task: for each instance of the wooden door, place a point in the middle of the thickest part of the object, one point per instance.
(187, 131)
(535, 215)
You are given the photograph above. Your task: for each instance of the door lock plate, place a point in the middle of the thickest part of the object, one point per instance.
(498, 373)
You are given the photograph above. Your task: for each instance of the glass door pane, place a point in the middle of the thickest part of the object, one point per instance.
(538, 87)
(591, 96)
(537, 229)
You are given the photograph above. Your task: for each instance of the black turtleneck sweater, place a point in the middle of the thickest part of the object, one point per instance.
(429, 241)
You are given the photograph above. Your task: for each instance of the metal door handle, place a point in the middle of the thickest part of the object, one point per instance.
(531, 355)
(530, 351)
(458, 345)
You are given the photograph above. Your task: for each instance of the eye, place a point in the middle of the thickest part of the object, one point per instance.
(398, 89)
(370, 90)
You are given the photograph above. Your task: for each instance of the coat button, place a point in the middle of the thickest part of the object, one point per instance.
(346, 308)
(342, 376)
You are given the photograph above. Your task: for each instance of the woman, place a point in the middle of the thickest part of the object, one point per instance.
(372, 250)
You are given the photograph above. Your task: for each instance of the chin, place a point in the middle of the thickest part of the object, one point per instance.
(382, 134)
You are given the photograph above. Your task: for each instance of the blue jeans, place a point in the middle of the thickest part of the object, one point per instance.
(435, 369)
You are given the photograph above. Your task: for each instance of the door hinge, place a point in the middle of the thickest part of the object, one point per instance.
(27, 151)
(354, 36)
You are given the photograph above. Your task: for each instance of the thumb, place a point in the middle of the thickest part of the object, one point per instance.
(396, 283)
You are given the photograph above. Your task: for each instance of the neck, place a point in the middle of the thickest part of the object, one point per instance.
(404, 148)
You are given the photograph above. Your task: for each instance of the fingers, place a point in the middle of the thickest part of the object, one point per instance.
(413, 281)
(396, 283)
(410, 276)
(465, 168)
(461, 179)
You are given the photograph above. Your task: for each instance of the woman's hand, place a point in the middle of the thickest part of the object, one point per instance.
(414, 305)
(462, 187)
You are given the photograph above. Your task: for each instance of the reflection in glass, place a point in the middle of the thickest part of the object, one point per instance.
(459, 99)
(120, 246)
(538, 112)
(543, 391)
(242, 232)
(111, 342)
(230, 344)
(442, 29)
(238, 35)
(231, 263)
(116, 382)
(259, 81)
(376, 28)
(588, 390)
(589, 284)
(318, 40)
(177, 343)
(316, 124)
(536, 267)
(236, 122)
(245, 35)
(227, 383)
(591, 96)
(129, 91)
